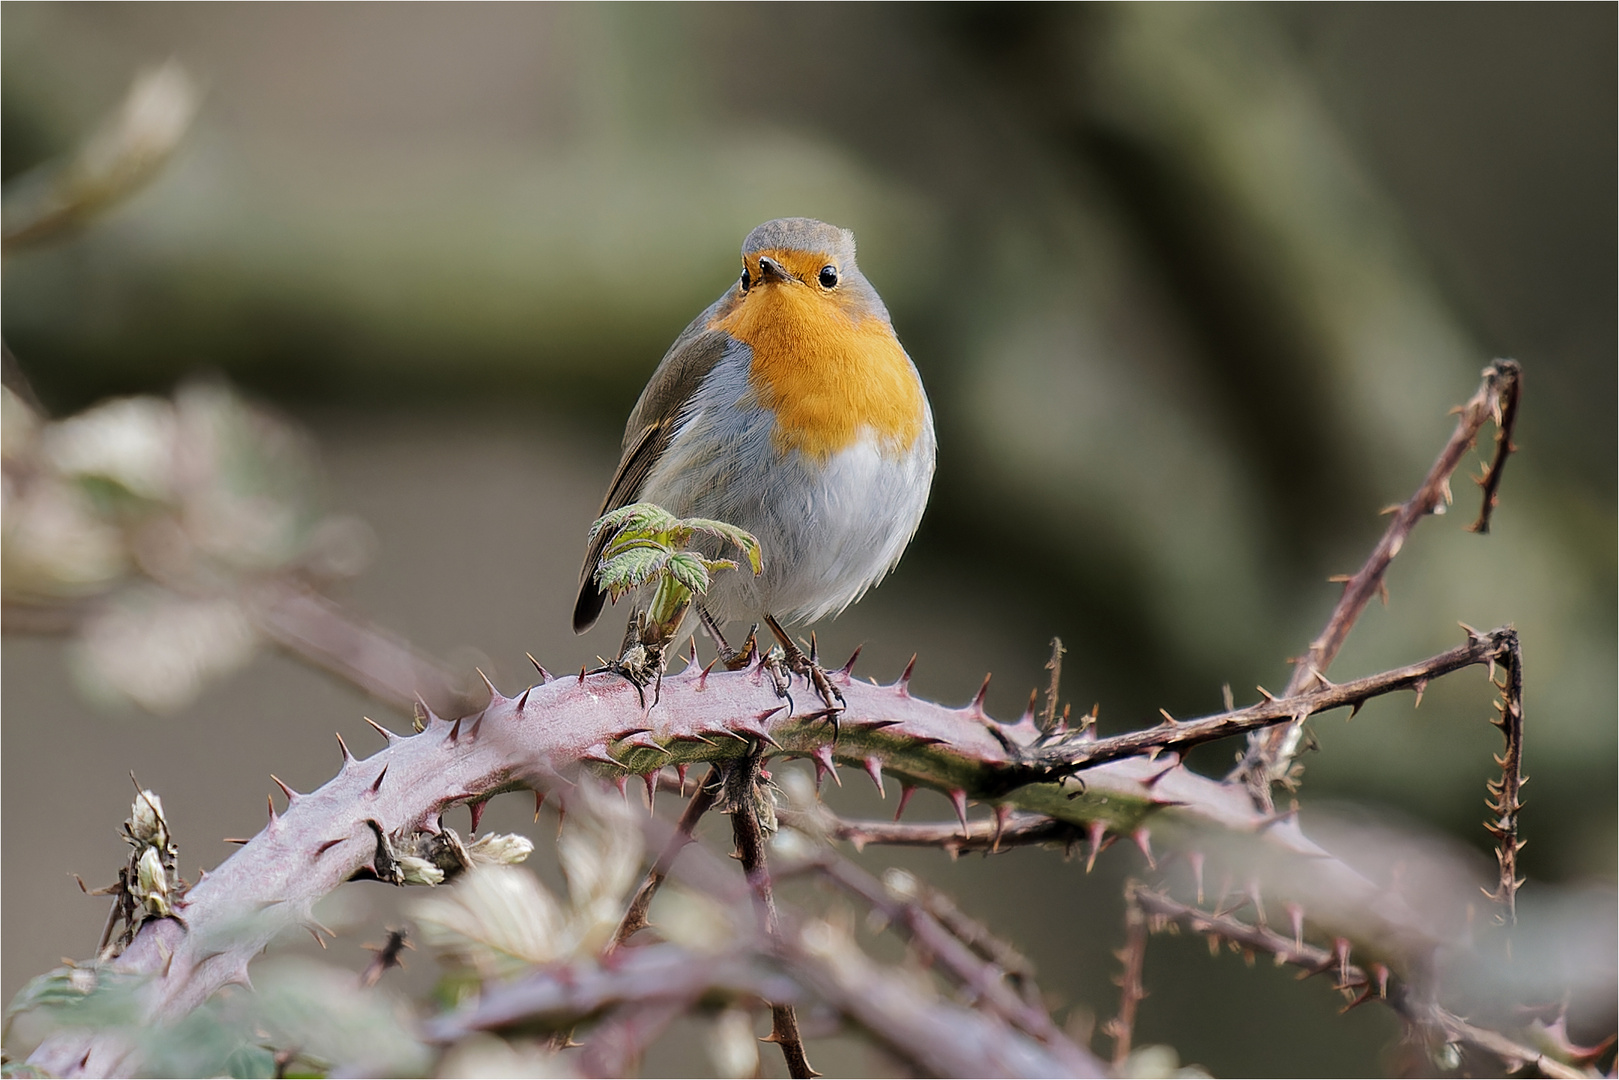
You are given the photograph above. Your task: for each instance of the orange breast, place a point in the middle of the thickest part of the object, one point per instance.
(827, 375)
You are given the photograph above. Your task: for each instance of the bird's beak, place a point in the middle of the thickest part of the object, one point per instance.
(772, 271)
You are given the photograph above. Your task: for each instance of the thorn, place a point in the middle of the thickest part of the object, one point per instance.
(316, 935)
(622, 782)
(476, 809)
(1340, 579)
(1340, 950)
(1168, 720)
(1381, 973)
(874, 769)
(523, 700)
(343, 746)
(376, 785)
(1196, 859)
(702, 680)
(427, 710)
(455, 730)
(581, 673)
(1034, 701)
(545, 676)
(824, 764)
(1143, 839)
(384, 732)
(494, 695)
(1003, 814)
(1295, 915)
(680, 770)
(1099, 840)
(1266, 694)
(1419, 686)
(327, 845)
(651, 781)
(847, 670)
(977, 705)
(958, 799)
(904, 684)
(1152, 781)
(1383, 592)
(815, 651)
(539, 801)
(905, 793)
(285, 790)
(237, 840)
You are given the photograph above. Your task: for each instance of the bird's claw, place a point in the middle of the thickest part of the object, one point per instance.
(798, 663)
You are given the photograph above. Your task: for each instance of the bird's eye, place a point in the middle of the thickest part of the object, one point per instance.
(829, 277)
(747, 279)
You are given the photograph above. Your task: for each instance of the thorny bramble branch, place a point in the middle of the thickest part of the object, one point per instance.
(1436, 1024)
(1270, 756)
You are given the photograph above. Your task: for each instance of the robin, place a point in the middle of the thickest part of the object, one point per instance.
(787, 408)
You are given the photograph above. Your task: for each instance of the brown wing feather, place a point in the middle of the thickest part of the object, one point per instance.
(646, 437)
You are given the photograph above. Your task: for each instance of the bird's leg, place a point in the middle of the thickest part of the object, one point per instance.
(731, 658)
(809, 667)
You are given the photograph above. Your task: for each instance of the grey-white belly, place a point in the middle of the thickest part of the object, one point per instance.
(828, 530)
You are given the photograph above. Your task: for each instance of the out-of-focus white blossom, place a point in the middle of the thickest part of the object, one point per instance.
(600, 852)
(157, 649)
(55, 545)
(129, 441)
(496, 920)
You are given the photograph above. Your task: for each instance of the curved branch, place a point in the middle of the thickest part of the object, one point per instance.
(550, 731)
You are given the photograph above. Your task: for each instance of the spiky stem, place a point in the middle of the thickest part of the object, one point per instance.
(1131, 991)
(597, 721)
(635, 918)
(1376, 986)
(1504, 800)
(742, 794)
(1270, 755)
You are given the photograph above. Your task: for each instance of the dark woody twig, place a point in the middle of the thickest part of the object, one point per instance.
(1504, 801)
(1179, 735)
(1269, 754)
(635, 918)
(1367, 986)
(1131, 992)
(1505, 420)
(742, 795)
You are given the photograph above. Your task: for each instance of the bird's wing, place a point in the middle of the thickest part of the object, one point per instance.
(652, 424)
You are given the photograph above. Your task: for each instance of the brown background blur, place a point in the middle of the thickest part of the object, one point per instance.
(1192, 289)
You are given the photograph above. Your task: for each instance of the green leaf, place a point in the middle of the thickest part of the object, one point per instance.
(688, 568)
(634, 567)
(738, 538)
(645, 518)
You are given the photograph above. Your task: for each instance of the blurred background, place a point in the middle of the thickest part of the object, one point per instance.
(1192, 289)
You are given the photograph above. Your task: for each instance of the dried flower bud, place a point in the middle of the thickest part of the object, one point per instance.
(147, 824)
(419, 871)
(152, 884)
(500, 848)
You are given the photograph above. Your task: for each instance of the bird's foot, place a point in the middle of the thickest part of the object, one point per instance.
(639, 665)
(732, 659)
(808, 665)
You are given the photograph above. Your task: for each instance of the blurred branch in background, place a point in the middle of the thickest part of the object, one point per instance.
(169, 539)
(130, 148)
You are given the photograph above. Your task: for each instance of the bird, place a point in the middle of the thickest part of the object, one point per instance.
(790, 409)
